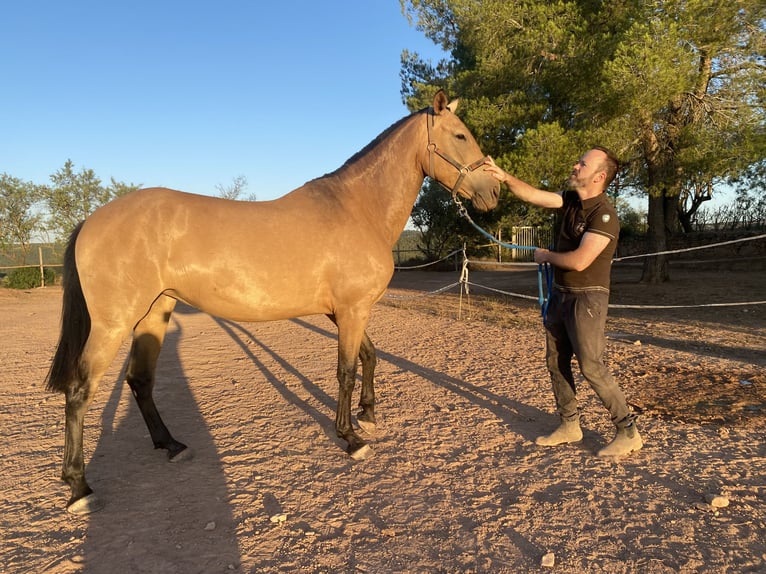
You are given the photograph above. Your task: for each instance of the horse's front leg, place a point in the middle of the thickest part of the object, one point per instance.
(350, 335)
(366, 416)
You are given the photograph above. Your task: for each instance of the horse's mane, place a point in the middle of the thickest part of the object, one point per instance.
(383, 135)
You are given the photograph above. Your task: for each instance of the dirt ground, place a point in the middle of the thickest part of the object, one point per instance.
(456, 483)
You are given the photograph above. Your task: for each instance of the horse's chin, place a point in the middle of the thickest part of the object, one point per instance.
(483, 204)
(483, 200)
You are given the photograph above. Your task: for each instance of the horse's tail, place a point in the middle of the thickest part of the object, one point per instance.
(75, 325)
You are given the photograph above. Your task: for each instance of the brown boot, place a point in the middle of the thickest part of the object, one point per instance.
(568, 431)
(625, 441)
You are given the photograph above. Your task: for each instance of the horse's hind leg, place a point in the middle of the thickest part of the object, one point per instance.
(98, 354)
(368, 357)
(147, 343)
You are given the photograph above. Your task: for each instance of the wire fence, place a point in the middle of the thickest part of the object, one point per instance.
(464, 283)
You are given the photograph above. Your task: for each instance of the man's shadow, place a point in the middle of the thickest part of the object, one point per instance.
(159, 516)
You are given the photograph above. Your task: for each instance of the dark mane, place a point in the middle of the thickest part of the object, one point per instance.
(383, 135)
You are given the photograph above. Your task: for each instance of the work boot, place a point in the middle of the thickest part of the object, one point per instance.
(568, 431)
(625, 441)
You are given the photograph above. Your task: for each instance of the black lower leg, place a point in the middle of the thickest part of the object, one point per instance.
(357, 447)
(368, 358)
(161, 437)
(73, 469)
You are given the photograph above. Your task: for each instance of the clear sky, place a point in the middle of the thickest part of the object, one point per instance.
(190, 94)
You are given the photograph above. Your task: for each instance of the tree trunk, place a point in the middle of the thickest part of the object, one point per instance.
(656, 267)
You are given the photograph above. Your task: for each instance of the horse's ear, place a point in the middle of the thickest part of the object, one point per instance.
(440, 102)
(453, 105)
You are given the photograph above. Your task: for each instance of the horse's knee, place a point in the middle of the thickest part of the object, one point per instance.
(346, 376)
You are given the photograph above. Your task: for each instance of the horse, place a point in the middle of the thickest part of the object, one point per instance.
(323, 248)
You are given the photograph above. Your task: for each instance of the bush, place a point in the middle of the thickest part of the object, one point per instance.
(29, 277)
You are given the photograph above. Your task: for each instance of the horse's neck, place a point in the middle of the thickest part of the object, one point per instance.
(388, 178)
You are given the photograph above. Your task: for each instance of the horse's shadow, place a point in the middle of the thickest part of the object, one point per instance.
(239, 335)
(510, 412)
(153, 507)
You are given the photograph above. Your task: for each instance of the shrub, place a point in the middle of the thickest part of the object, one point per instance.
(29, 277)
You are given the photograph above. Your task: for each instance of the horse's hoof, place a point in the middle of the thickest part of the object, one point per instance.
(85, 505)
(361, 453)
(181, 455)
(367, 426)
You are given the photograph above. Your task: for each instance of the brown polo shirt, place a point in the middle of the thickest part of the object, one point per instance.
(575, 218)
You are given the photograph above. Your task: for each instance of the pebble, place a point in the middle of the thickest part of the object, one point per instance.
(278, 518)
(210, 526)
(549, 560)
(717, 500)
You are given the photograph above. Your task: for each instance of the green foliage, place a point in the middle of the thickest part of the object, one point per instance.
(29, 277)
(632, 221)
(440, 226)
(18, 221)
(73, 196)
(436, 217)
(675, 87)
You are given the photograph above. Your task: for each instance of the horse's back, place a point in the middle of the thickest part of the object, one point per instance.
(293, 256)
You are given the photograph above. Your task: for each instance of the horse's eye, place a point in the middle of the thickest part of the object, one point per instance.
(461, 137)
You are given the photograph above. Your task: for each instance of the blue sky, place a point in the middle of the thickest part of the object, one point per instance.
(192, 94)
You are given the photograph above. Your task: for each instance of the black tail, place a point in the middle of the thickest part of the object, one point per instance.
(75, 325)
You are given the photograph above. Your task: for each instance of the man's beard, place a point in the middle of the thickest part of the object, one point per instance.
(572, 182)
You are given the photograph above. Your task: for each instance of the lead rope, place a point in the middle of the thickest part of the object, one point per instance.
(543, 269)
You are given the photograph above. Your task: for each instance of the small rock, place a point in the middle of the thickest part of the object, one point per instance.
(717, 500)
(637, 342)
(210, 526)
(549, 560)
(279, 518)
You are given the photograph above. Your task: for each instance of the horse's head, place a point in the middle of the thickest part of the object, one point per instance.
(454, 156)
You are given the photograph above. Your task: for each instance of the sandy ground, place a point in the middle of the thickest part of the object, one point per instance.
(456, 483)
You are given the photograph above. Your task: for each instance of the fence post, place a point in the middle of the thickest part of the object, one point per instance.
(42, 268)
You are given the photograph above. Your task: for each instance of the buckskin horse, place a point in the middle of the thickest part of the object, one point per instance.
(324, 248)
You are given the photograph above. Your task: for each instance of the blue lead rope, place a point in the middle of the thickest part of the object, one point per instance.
(544, 296)
(542, 268)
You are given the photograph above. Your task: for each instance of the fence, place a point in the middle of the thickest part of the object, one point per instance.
(528, 236)
(41, 265)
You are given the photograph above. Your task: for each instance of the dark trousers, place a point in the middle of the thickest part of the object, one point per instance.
(575, 327)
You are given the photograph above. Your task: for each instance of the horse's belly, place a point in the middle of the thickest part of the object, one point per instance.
(252, 303)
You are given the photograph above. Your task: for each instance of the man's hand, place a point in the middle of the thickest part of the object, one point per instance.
(494, 170)
(542, 255)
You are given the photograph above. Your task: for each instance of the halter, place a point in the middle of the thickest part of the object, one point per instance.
(463, 169)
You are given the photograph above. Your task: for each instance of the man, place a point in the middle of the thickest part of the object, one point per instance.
(581, 260)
